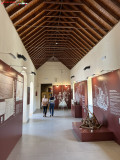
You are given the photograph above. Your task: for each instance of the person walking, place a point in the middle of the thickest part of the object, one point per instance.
(44, 105)
(52, 104)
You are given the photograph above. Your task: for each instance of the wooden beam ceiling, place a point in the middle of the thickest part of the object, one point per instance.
(67, 30)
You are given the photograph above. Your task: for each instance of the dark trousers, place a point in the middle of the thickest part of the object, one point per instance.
(51, 109)
(45, 110)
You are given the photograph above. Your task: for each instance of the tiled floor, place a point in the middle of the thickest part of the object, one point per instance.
(52, 138)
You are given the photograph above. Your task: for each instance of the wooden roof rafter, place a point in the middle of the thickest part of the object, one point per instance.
(67, 30)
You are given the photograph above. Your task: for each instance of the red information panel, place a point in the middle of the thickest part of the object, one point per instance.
(62, 95)
(11, 108)
(81, 96)
(106, 100)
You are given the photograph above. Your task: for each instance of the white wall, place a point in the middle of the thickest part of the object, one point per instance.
(52, 72)
(10, 42)
(109, 46)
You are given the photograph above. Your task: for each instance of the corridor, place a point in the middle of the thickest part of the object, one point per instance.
(52, 138)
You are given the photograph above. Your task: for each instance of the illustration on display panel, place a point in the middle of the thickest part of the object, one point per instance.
(106, 94)
(80, 89)
(101, 98)
(7, 103)
(62, 95)
(11, 92)
(63, 98)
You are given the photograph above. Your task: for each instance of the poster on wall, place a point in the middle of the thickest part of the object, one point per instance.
(62, 95)
(6, 87)
(11, 91)
(7, 105)
(80, 90)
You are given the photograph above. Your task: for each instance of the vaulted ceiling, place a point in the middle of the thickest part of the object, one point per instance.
(64, 29)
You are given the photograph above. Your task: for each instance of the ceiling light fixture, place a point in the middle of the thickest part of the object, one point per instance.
(72, 76)
(32, 73)
(87, 67)
(21, 56)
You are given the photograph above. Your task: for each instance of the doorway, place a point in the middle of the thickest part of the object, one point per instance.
(46, 89)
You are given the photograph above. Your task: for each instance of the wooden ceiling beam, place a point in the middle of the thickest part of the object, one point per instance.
(64, 3)
(73, 17)
(39, 54)
(60, 22)
(89, 16)
(36, 36)
(32, 7)
(34, 24)
(65, 27)
(95, 17)
(61, 10)
(74, 50)
(68, 60)
(17, 7)
(39, 44)
(100, 11)
(81, 51)
(90, 22)
(80, 43)
(31, 15)
(12, 6)
(111, 7)
(41, 39)
(31, 22)
(29, 25)
(88, 31)
(30, 31)
(36, 47)
(81, 39)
